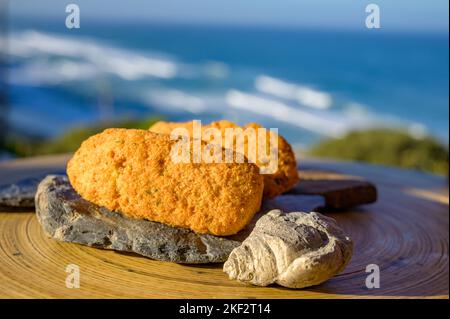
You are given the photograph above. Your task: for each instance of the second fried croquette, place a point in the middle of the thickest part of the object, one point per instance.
(285, 177)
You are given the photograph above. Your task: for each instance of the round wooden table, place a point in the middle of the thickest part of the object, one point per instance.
(405, 233)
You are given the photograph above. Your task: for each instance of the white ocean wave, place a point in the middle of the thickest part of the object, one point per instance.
(55, 72)
(47, 50)
(303, 95)
(126, 64)
(332, 124)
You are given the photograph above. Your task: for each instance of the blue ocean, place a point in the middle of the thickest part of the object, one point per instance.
(310, 84)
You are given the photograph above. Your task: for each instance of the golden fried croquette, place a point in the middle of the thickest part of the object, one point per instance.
(274, 184)
(131, 171)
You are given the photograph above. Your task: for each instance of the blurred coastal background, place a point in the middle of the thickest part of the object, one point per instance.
(311, 69)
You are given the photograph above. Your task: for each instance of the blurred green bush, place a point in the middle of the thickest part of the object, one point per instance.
(387, 147)
(70, 140)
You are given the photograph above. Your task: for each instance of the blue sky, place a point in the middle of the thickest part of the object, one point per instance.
(396, 15)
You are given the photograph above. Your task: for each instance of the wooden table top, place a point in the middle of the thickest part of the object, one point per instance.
(405, 233)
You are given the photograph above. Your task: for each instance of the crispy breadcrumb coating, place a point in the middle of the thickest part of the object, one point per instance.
(131, 171)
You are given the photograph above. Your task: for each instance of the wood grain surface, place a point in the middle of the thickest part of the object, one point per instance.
(405, 233)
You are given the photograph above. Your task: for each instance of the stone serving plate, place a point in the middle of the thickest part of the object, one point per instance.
(65, 216)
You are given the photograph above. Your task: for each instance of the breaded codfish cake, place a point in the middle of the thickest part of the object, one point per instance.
(274, 184)
(132, 172)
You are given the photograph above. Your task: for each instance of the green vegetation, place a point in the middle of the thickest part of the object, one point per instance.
(70, 140)
(387, 147)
